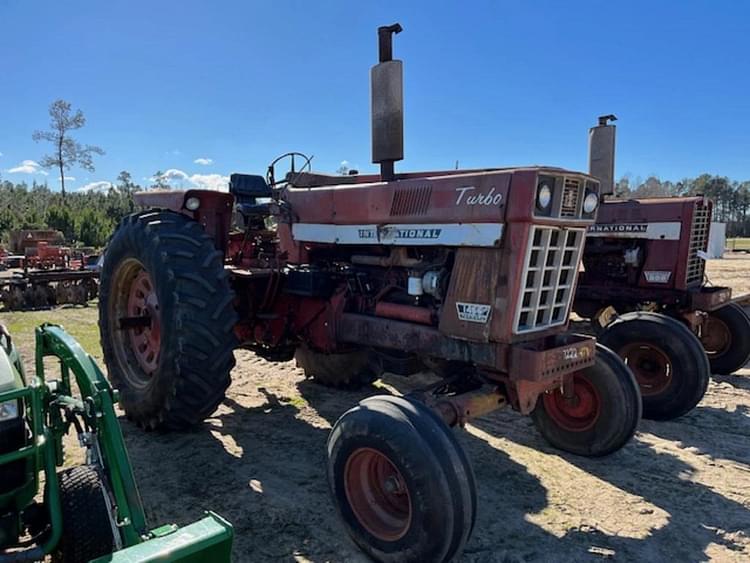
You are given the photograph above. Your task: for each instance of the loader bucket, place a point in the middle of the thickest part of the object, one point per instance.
(209, 539)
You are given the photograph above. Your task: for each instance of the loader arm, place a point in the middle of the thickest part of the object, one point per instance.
(209, 539)
(97, 409)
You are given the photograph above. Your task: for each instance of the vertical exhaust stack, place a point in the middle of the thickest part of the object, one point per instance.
(602, 153)
(387, 103)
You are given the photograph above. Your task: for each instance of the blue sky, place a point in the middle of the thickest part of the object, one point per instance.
(164, 83)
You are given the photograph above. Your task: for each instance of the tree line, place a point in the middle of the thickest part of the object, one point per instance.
(85, 218)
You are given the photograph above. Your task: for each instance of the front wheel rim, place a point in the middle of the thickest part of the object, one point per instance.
(577, 412)
(650, 365)
(715, 337)
(377, 494)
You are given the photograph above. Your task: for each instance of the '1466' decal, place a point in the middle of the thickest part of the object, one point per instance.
(473, 312)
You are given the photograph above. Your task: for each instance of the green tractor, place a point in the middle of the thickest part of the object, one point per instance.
(90, 512)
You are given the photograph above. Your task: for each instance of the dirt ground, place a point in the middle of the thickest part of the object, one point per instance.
(680, 491)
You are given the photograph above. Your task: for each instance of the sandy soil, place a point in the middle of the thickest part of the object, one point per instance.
(680, 491)
(733, 270)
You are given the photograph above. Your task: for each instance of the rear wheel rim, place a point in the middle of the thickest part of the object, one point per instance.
(578, 412)
(651, 366)
(716, 337)
(138, 345)
(377, 494)
(145, 340)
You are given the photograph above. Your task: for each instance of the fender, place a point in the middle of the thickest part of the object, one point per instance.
(214, 211)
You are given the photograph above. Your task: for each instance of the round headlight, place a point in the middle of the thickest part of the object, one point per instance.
(192, 203)
(544, 196)
(590, 202)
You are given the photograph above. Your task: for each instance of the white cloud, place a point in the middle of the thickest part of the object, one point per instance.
(69, 179)
(175, 175)
(210, 182)
(202, 161)
(180, 179)
(28, 167)
(100, 186)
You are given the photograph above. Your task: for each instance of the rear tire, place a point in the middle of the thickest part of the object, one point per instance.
(726, 339)
(342, 370)
(400, 481)
(172, 372)
(603, 415)
(666, 358)
(87, 528)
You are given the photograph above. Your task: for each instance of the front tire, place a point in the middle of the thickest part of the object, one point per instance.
(666, 358)
(400, 481)
(166, 319)
(601, 414)
(726, 339)
(86, 522)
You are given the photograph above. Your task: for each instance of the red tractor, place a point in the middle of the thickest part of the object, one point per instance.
(470, 273)
(645, 288)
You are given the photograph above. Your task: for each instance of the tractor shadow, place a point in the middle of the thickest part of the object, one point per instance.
(736, 381)
(696, 516)
(714, 431)
(718, 433)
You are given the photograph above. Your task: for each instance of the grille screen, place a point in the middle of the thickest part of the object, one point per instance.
(698, 242)
(551, 267)
(570, 197)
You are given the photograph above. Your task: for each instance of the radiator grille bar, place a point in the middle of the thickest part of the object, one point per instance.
(570, 196)
(699, 230)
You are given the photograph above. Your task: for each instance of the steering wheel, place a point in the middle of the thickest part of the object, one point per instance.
(271, 174)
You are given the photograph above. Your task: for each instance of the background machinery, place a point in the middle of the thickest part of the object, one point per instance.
(46, 273)
(470, 273)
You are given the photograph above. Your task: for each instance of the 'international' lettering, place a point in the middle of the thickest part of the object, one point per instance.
(619, 228)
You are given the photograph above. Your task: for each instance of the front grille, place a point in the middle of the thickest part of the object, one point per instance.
(550, 269)
(570, 196)
(698, 243)
(411, 201)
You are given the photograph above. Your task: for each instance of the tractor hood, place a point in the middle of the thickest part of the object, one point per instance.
(9, 377)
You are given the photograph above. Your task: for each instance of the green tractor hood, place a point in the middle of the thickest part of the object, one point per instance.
(11, 374)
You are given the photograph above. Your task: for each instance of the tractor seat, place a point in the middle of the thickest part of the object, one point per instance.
(246, 188)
